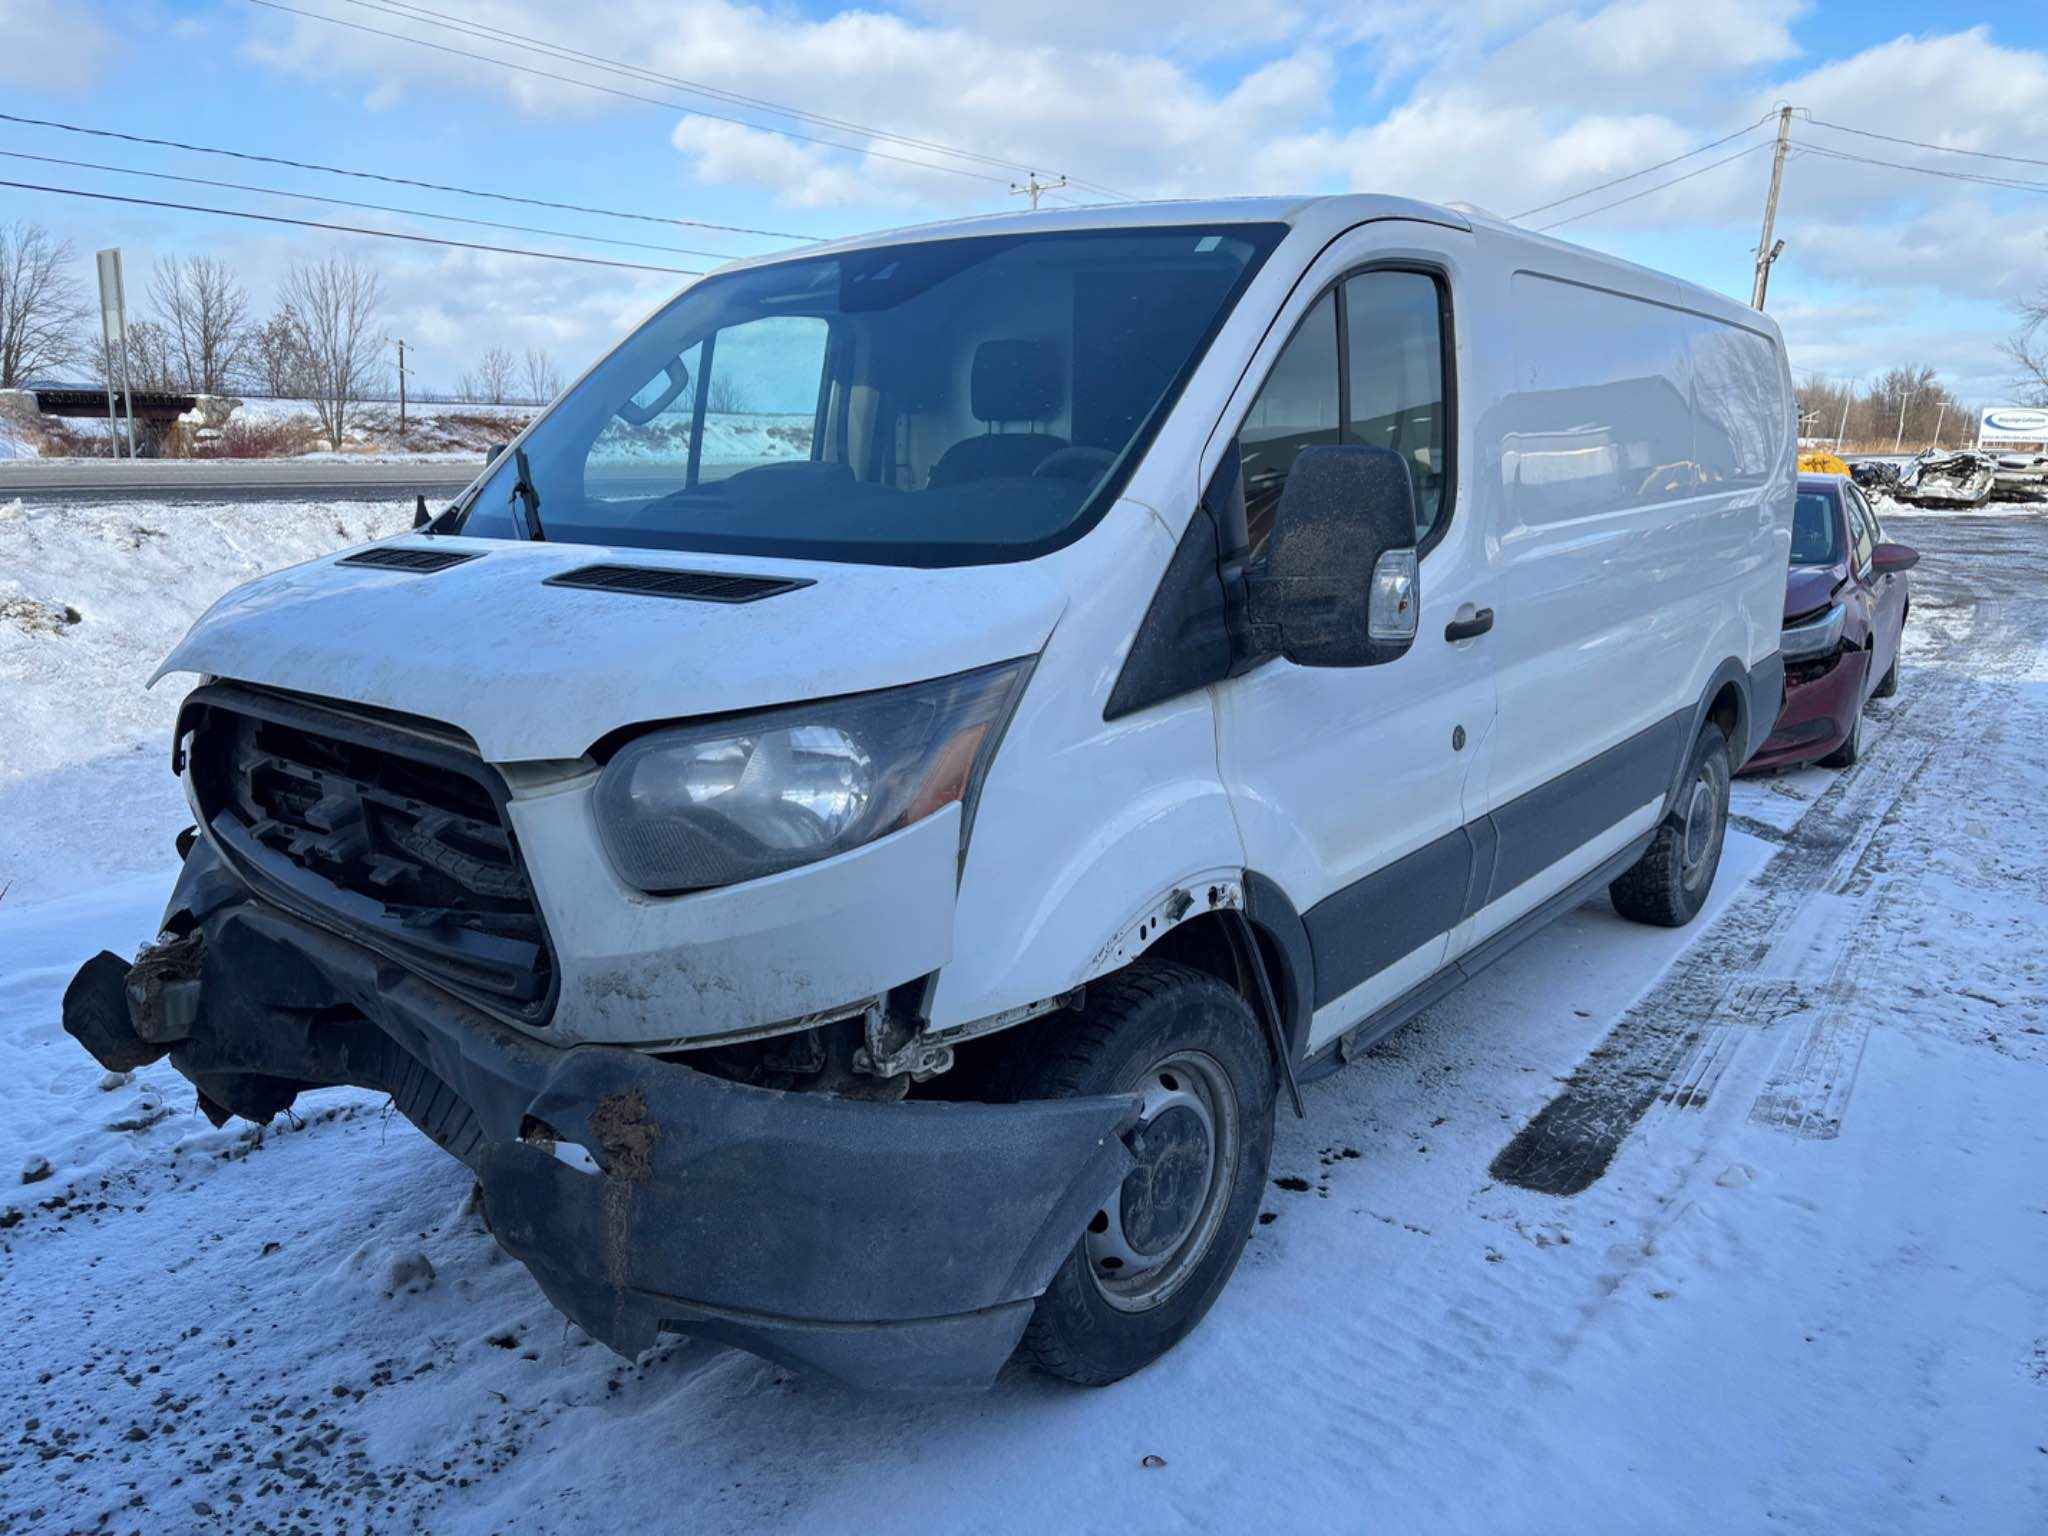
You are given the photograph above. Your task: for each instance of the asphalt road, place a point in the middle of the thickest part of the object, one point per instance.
(231, 479)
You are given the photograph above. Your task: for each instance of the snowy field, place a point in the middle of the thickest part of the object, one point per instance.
(1809, 1293)
(436, 434)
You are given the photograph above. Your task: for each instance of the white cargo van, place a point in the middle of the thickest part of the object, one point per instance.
(850, 826)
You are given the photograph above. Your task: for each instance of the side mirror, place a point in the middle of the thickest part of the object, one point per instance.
(1337, 585)
(1887, 559)
(491, 453)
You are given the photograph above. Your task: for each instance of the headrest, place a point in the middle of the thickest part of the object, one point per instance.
(1015, 380)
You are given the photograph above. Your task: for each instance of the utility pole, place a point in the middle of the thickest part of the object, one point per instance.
(1033, 188)
(1905, 399)
(1766, 250)
(1843, 430)
(1940, 417)
(401, 386)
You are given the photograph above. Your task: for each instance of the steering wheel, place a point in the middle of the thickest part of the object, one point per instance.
(1073, 464)
(678, 374)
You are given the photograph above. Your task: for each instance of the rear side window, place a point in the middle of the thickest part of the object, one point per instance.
(1296, 408)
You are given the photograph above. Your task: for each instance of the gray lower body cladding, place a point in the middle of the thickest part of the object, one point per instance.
(886, 1245)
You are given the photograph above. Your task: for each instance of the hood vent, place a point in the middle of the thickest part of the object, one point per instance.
(693, 586)
(421, 562)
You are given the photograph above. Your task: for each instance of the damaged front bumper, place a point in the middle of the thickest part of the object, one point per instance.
(888, 1245)
(1821, 698)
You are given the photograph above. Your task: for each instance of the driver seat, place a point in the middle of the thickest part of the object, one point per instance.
(1015, 380)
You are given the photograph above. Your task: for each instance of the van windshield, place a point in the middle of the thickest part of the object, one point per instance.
(948, 402)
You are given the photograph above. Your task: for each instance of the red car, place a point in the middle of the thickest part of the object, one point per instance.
(1845, 612)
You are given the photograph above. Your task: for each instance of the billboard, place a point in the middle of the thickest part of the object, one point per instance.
(2012, 424)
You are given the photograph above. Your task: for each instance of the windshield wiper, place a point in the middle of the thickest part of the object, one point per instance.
(529, 498)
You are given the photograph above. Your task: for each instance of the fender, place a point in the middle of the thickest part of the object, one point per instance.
(1742, 740)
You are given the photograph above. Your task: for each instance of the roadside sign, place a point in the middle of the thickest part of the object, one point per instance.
(114, 332)
(2012, 424)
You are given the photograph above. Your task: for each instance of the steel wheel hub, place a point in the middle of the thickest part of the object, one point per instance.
(1699, 834)
(1145, 1243)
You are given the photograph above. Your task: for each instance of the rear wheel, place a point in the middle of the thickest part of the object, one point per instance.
(1668, 885)
(1153, 1260)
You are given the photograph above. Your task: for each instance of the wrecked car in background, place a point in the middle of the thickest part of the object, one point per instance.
(1964, 478)
(2021, 477)
(862, 904)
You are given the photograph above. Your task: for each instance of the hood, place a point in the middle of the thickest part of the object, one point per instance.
(1809, 587)
(531, 671)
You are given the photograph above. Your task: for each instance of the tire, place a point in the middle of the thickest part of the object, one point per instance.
(1851, 749)
(1889, 683)
(1668, 885)
(1195, 1049)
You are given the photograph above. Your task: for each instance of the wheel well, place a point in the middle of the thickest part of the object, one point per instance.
(1206, 943)
(1728, 711)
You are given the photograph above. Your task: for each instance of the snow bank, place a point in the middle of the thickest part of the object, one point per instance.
(92, 597)
(729, 438)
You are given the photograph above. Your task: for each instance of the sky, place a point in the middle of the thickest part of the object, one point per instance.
(1505, 104)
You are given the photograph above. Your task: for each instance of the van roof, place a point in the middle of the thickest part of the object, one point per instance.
(1342, 211)
(1325, 215)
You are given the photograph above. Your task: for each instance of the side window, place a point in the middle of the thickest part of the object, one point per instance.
(1296, 409)
(1394, 348)
(645, 448)
(761, 393)
(1862, 541)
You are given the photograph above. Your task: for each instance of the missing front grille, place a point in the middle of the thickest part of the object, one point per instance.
(403, 840)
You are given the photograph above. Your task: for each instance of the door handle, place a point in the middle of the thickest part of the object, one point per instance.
(1470, 629)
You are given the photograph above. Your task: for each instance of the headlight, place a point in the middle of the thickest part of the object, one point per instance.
(740, 798)
(1815, 636)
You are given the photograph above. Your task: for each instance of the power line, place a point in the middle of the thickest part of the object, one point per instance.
(403, 181)
(343, 202)
(610, 90)
(1645, 171)
(468, 27)
(1661, 186)
(349, 229)
(2010, 183)
(1946, 149)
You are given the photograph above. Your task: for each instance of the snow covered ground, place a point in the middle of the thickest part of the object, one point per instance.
(437, 433)
(1806, 1287)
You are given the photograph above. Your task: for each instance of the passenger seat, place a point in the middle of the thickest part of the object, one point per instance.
(1014, 381)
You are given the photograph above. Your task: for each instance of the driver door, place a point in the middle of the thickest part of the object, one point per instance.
(1351, 785)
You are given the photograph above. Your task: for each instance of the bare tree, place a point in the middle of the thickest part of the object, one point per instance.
(334, 303)
(43, 307)
(543, 382)
(725, 397)
(2027, 348)
(271, 363)
(205, 309)
(490, 382)
(152, 358)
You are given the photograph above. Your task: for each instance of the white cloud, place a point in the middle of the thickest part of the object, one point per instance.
(52, 44)
(1506, 103)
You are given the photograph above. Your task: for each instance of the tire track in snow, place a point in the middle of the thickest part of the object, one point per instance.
(1674, 1043)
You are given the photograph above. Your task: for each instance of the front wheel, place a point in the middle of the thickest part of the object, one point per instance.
(1850, 752)
(1152, 1261)
(1668, 885)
